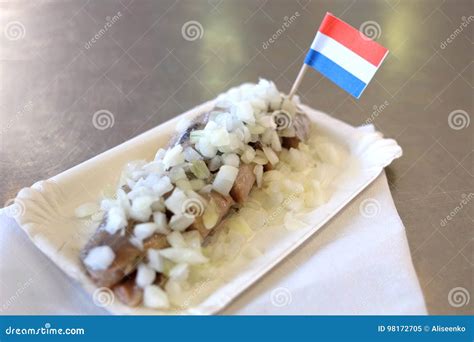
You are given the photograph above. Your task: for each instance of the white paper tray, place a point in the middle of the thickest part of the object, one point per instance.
(47, 207)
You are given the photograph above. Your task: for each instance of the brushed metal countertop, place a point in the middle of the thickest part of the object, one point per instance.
(63, 61)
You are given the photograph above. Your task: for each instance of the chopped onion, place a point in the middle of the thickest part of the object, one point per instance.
(215, 163)
(116, 220)
(193, 239)
(205, 147)
(180, 222)
(99, 258)
(197, 184)
(210, 216)
(292, 223)
(183, 255)
(177, 173)
(86, 209)
(219, 137)
(161, 222)
(145, 230)
(231, 159)
(145, 276)
(173, 156)
(258, 171)
(174, 203)
(154, 297)
(190, 154)
(225, 179)
(248, 155)
(155, 260)
(199, 169)
(141, 208)
(176, 240)
(179, 272)
(244, 111)
(271, 155)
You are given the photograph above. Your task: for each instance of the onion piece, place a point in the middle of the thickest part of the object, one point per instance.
(231, 159)
(116, 220)
(199, 169)
(271, 155)
(155, 260)
(180, 222)
(161, 222)
(145, 230)
(174, 203)
(183, 255)
(176, 240)
(173, 156)
(179, 272)
(145, 276)
(99, 258)
(154, 297)
(258, 171)
(225, 179)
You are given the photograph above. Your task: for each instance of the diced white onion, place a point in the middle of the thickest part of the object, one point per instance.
(161, 222)
(225, 179)
(99, 258)
(180, 222)
(271, 155)
(176, 240)
(231, 159)
(154, 297)
(141, 208)
(179, 272)
(145, 276)
(258, 171)
(173, 156)
(174, 203)
(183, 255)
(244, 111)
(145, 230)
(116, 220)
(190, 154)
(155, 260)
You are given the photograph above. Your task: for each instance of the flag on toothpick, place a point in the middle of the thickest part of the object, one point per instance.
(344, 55)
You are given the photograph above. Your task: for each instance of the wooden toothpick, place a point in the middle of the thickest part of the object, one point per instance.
(298, 80)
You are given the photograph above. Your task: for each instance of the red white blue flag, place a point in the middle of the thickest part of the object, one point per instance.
(345, 55)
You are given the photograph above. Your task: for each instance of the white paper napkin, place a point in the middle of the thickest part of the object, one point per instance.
(358, 263)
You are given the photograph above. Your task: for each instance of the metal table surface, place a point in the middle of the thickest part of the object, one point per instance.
(143, 62)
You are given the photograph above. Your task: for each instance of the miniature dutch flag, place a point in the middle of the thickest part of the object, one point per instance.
(345, 55)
